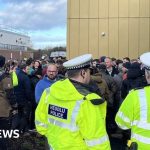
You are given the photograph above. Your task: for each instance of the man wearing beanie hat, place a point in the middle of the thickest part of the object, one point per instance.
(126, 65)
(135, 111)
(69, 114)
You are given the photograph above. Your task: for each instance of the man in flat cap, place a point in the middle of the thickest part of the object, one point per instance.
(69, 115)
(134, 112)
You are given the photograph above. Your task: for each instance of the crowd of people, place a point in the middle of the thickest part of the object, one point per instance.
(112, 79)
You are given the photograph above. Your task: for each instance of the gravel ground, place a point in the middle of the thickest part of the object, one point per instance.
(34, 141)
(28, 141)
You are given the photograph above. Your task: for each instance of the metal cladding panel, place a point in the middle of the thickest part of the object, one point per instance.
(68, 9)
(144, 8)
(115, 28)
(68, 38)
(103, 37)
(84, 8)
(93, 12)
(74, 8)
(134, 6)
(93, 37)
(123, 8)
(74, 38)
(123, 37)
(113, 8)
(103, 8)
(144, 35)
(84, 36)
(113, 37)
(133, 37)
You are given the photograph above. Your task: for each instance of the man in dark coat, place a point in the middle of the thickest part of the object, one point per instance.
(135, 79)
(23, 97)
(110, 69)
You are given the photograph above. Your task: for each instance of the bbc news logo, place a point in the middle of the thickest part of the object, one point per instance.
(9, 134)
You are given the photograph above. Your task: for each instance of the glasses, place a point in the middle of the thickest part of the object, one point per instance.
(51, 71)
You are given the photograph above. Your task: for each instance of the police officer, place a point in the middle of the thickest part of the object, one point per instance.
(69, 115)
(134, 112)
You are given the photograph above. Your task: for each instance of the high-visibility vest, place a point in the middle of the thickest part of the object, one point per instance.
(134, 114)
(69, 120)
(14, 79)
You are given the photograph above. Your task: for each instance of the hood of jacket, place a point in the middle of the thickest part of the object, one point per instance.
(97, 77)
(134, 71)
(65, 90)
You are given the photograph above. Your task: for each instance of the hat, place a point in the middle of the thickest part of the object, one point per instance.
(102, 59)
(102, 66)
(135, 65)
(79, 62)
(22, 65)
(126, 65)
(145, 59)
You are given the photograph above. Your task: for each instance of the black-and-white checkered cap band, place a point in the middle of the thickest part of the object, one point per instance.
(79, 62)
(147, 67)
(145, 59)
(86, 65)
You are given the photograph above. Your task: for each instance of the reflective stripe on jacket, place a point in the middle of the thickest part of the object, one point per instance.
(69, 120)
(134, 114)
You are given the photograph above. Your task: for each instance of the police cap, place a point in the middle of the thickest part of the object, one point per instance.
(79, 62)
(145, 59)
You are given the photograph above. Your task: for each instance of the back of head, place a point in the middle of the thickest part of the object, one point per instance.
(2, 61)
(118, 61)
(102, 59)
(134, 71)
(29, 61)
(135, 65)
(127, 65)
(22, 65)
(102, 67)
(126, 59)
(78, 68)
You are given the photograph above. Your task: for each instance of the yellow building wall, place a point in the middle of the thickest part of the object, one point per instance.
(114, 28)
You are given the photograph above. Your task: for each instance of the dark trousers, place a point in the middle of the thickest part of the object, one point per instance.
(21, 119)
(4, 125)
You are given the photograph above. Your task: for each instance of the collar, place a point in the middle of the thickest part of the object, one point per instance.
(50, 79)
(82, 84)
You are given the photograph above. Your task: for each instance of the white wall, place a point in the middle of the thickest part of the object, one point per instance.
(7, 37)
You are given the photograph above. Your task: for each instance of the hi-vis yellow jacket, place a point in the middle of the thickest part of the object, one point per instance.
(69, 120)
(134, 114)
(14, 79)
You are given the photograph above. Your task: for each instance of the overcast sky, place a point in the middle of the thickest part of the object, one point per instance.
(44, 20)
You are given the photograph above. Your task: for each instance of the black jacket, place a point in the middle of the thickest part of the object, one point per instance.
(135, 79)
(23, 90)
(114, 72)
